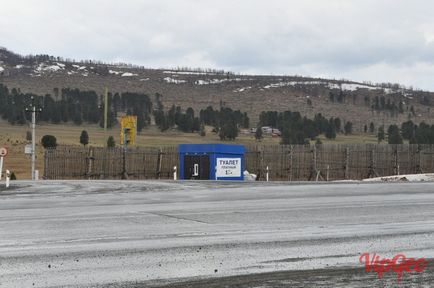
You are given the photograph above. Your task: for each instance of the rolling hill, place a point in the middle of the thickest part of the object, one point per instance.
(361, 103)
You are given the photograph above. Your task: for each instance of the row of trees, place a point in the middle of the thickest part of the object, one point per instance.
(298, 130)
(413, 133)
(73, 105)
(50, 141)
(226, 122)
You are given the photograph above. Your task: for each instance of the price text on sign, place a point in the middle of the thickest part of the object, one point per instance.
(3, 152)
(228, 167)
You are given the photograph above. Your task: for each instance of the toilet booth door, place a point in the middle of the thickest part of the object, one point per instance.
(196, 167)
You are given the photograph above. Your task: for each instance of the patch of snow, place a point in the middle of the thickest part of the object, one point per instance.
(52, 68)
(188, 73)
(174, 81)
(249, 177)
(85, 74)
(343, 86)
(242, 89)
(201, 82)
(145, 79)
(44, 67)
(403, 178)
(2, 69)
(60, 64)
(114, 72)
(218, 81)
(19, 66)
(128, 74)
(75, 66)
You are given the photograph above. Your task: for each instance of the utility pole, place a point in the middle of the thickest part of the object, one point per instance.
(33, 110)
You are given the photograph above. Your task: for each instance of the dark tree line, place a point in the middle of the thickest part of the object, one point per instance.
(415, 134)
(299, 130)
(226, 122)
(73, 105)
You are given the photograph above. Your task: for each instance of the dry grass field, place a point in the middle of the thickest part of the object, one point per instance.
(14, 138)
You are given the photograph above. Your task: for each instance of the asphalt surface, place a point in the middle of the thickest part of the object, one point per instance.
(208, 234)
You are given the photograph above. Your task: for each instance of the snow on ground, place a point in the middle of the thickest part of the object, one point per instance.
(115, 72)
(128, 74)
(174, 81)
(90, 233)
(242, 89)
(219, 81)
(188, 73)
(403, 178)
(2, 69)
(343, 86)
(43, 67)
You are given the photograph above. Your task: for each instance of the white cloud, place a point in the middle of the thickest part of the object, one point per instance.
(374, 39)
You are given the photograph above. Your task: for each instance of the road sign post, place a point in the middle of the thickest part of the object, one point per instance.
(3, 153)
(1, 167)
(8, 177)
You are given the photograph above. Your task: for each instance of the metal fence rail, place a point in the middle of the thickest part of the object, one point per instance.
(283, 162)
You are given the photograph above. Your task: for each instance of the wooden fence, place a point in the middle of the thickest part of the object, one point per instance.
(283, 162)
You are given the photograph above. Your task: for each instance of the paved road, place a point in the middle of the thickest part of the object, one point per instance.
(137, 234)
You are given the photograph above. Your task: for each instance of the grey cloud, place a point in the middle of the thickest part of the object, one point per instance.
(336, 38)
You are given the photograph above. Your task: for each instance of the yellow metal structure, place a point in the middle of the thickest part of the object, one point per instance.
(128, 130)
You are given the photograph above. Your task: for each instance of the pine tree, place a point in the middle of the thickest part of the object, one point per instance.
(348, 128)
(202, 131)
(49, 141)
(394, 137)
(84, 138)
(258, 134)
(380, 134)
(371, 127)
(330, 132)
(111, 142)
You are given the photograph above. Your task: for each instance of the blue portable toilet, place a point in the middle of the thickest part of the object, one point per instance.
(211, 161)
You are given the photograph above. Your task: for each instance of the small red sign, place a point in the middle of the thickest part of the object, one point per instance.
(3, 152)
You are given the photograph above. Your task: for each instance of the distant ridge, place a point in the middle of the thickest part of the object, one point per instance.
(199, 88)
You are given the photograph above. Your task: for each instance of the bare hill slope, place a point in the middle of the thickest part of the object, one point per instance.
(351, 101)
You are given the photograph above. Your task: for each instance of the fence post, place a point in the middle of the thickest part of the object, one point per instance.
(419, 156)
(8, 177)
(315, 173)
(124, 162)
(45, 164)
(396, 161)
(89, 166)
(174, 173)
(267, 175)
(258, 163)
(372, 171)
(347, 162)
(291, 151)
(159, 162)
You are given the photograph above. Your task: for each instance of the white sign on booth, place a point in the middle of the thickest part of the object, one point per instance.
(228, 167)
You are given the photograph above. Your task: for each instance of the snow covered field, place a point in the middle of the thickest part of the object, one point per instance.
(82, 233)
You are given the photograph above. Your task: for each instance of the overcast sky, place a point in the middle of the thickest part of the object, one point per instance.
(372, 40)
